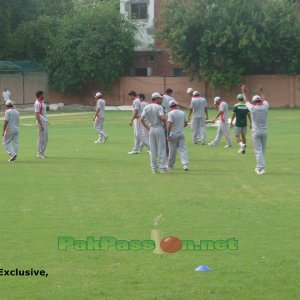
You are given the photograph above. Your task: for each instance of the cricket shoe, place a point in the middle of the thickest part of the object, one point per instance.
(98, 142)
(105, 139)
(41, 156)
(259, 171)
(228, 146)
(164, 170)
(211, 144)
(133, 152)
(13, 158)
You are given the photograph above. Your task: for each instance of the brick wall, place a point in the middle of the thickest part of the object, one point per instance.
(282, 91)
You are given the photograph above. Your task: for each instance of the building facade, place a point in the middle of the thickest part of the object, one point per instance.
(150, 58)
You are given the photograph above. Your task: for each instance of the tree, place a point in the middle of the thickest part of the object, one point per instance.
(12, 14)
(228, 39)
(94, 44)
(33, 39)
(26, 26)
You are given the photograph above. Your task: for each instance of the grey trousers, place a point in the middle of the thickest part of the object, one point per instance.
(259, 143)
(99, 126)
(144, 134)
(198, 129)
(222, 130)
(178, 143)
(42, 139)
(11, 142)
(157, 141)
(139, 135)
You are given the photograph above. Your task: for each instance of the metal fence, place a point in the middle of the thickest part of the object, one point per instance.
(23, 79)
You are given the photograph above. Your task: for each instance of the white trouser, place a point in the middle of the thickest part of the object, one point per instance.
(99, 126)
(222, 130)
(178, 142)
(139, 136)
(157, 141)
(42, 138)
(145, 134)
(198, 129)
(10, 142)
(259, 144)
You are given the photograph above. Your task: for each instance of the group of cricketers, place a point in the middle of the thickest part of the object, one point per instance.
(159, 126)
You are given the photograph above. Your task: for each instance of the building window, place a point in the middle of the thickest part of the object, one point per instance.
(177, 72)
(141, 72)
(139, 11)
(152, 59)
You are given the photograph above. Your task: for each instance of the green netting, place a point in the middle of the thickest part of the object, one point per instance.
(20, 66)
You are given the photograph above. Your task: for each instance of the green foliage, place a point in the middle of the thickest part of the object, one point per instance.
(80, 41)
(12, 14)
(95, 44)
(26, 27)
(228, 39)
(33, 39)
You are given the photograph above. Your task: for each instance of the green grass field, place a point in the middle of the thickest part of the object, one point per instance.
(83, 189)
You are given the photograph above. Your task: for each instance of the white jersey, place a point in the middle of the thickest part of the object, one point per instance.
(177, 117)
(198, 105)
(40, 107)
(259, 115)
(152, 114)
(166, 99)
(12, 117)
(223, 107)
(6, 95)
(101, 106)
(136, 105)
(144, 104)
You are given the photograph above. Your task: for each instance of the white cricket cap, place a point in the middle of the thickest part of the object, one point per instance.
(98, 94)
(256, 98)
(156, 95)
(8, 103)
(172, 103)
(217, 99)
(189, 90)
(196, 93)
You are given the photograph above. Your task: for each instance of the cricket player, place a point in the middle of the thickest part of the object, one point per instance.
(175, 132)
(99, 119)
(42, 124)
(136, 122)
(199, 110)
(190, 91)
(153, 118)
(223, 129)
(240, 113)
(6, 95)
(167, 97)
(145, 132)
(10, 132)
(259, 115)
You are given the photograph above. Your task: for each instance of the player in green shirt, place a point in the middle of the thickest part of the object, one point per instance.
(240, 113)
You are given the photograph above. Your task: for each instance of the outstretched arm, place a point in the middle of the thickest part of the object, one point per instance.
(245, 92)
(261, 93)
